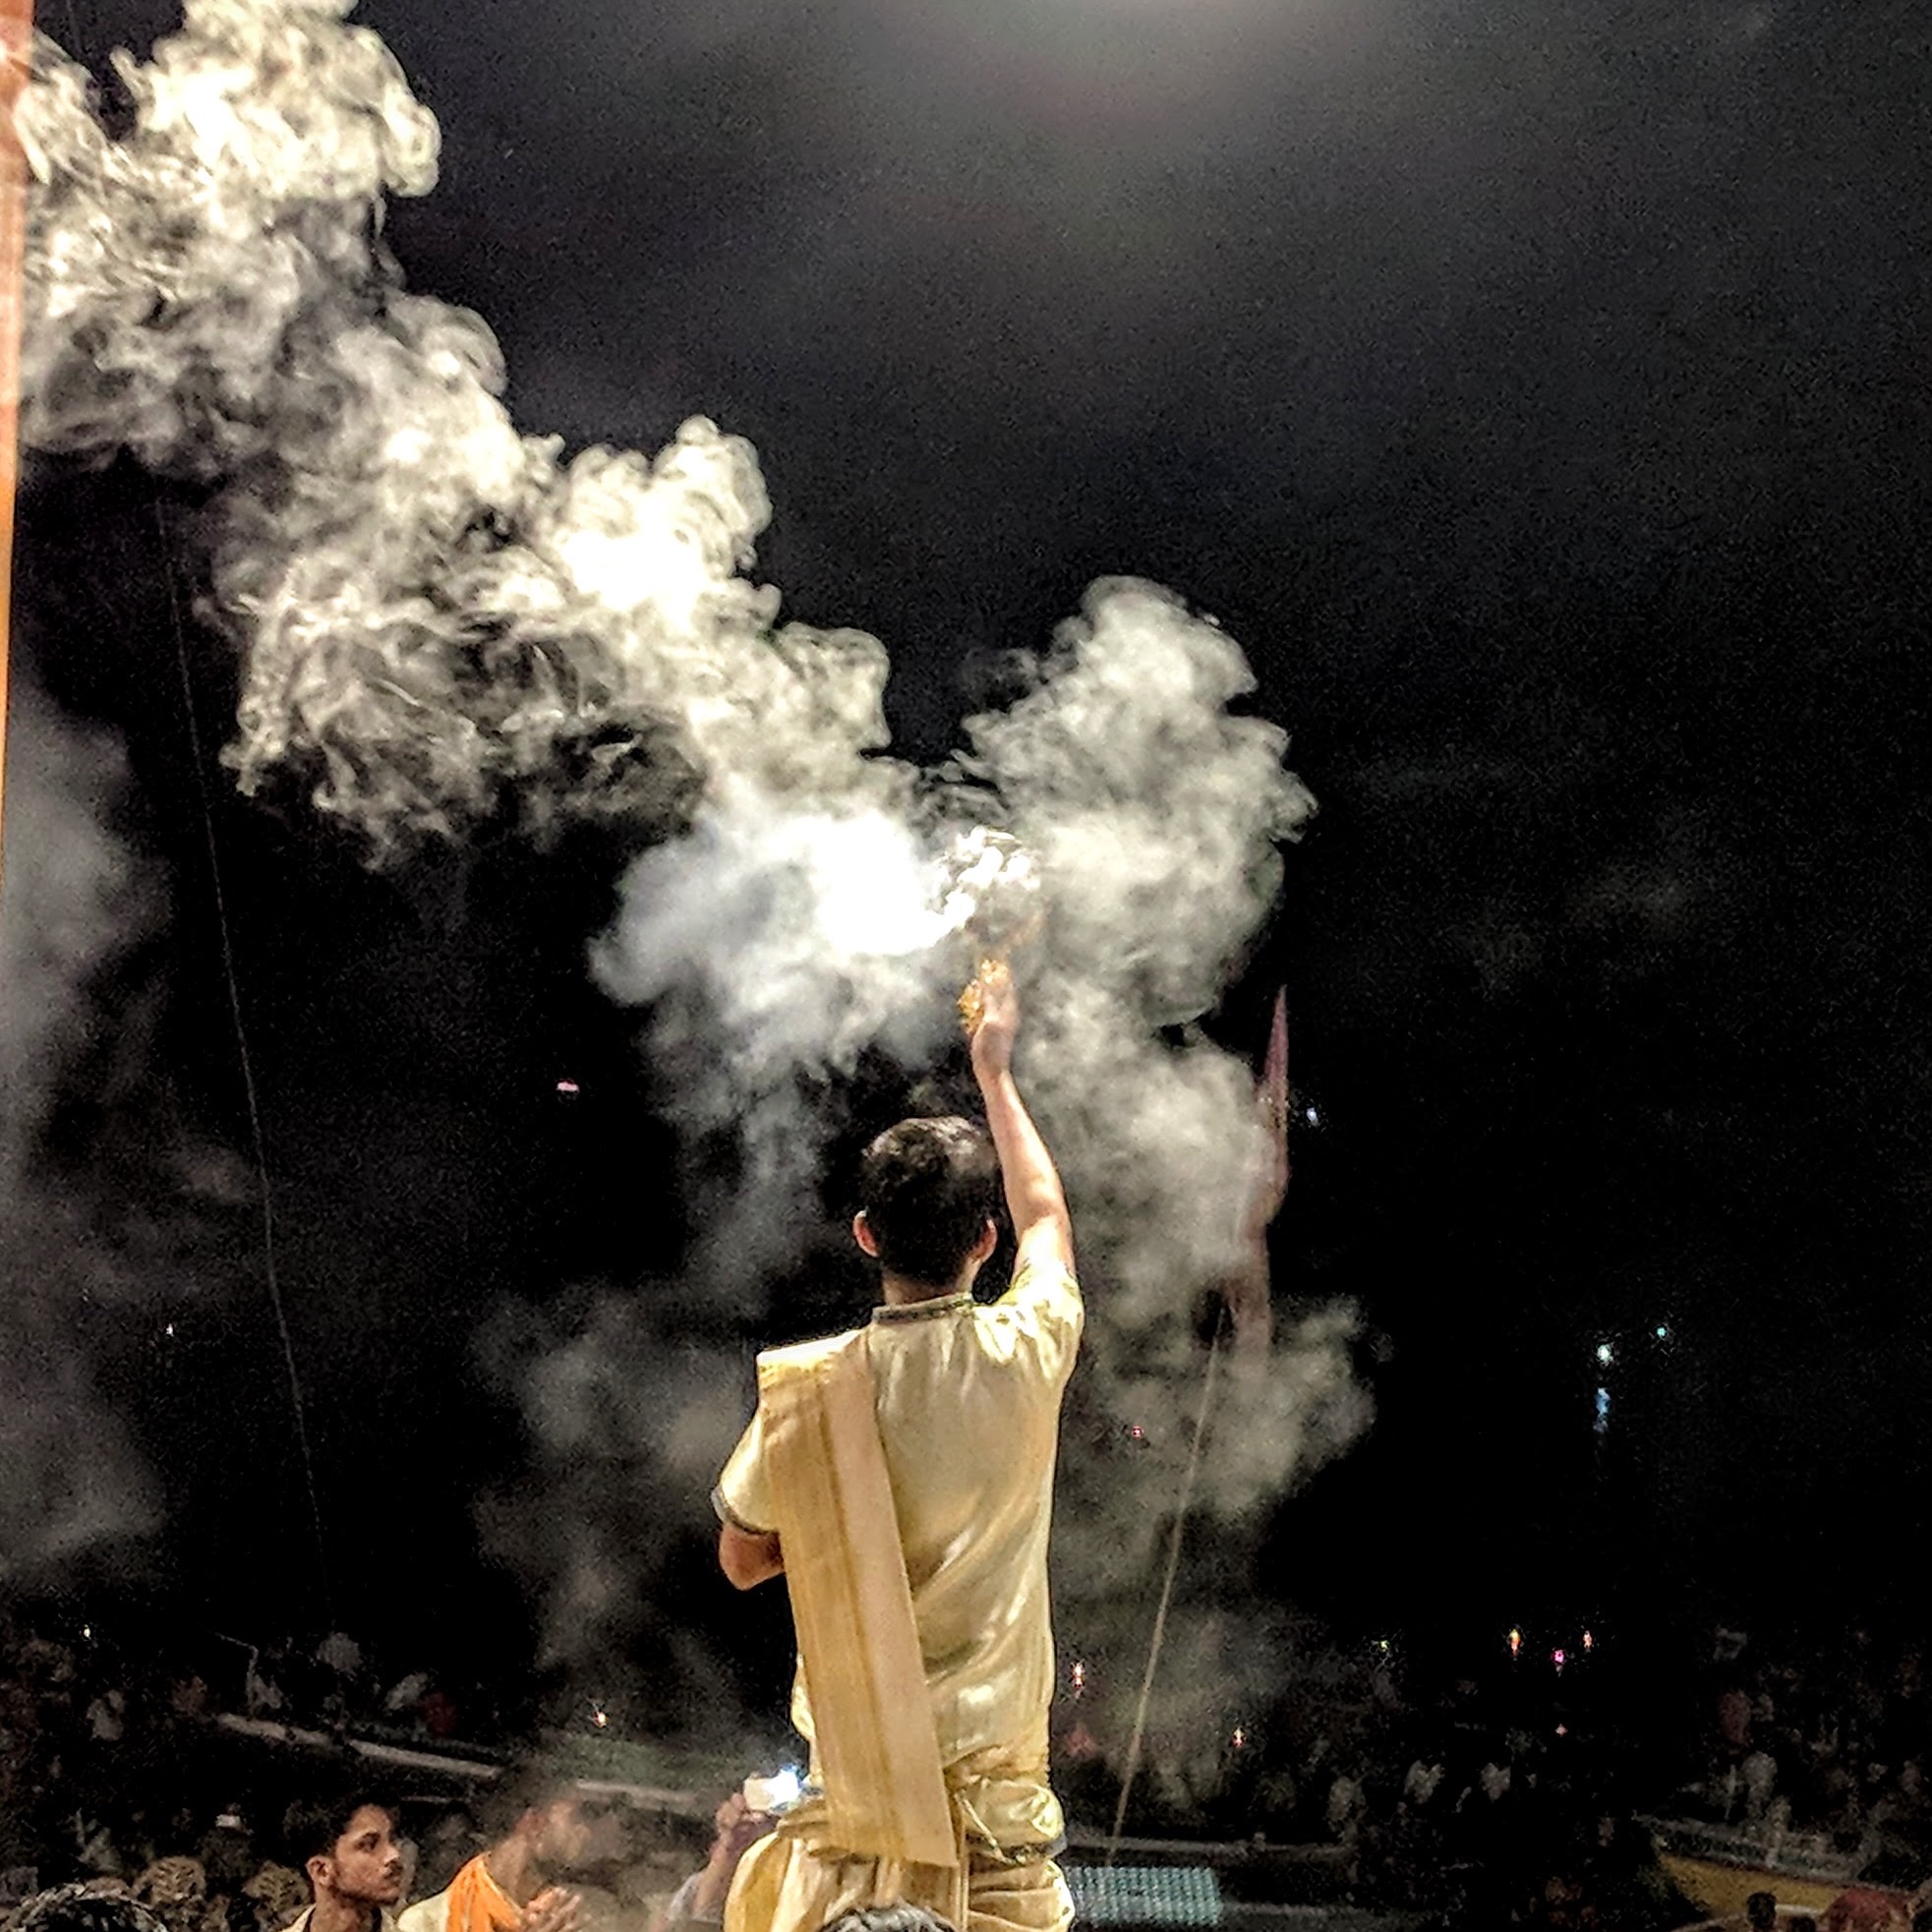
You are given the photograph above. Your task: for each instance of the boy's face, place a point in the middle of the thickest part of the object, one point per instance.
(366, 1865)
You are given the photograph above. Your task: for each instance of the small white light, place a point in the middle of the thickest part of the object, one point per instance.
(1605, 1354)
(1662, 1333)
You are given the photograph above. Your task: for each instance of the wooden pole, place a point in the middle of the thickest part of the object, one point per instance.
(16, 49)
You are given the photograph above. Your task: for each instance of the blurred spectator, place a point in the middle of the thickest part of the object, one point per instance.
(176, 1890)
(700, 1900)
(512, 1887)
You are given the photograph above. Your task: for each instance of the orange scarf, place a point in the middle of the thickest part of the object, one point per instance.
(478, 1904)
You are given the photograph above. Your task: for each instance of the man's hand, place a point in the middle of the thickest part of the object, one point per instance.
(553, 1910)
(990, 1007)
(740, 1828)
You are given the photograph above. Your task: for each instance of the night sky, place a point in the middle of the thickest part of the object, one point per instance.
(1539, 397)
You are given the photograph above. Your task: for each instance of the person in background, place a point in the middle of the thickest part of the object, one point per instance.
(700, 1900)
(513, 1886)
(349, 1848)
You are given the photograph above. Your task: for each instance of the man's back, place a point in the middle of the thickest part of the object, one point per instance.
(969, 1404)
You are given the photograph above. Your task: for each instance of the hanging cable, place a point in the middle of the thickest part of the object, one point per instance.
(1132, 1767)
(296, 1406)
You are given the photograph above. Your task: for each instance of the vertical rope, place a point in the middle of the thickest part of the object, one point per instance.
(296, 1406)
(16, 43)
(1166, 1596)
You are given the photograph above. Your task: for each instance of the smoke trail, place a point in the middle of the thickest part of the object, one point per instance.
(443, 625)
(438, 619)
(73, 902)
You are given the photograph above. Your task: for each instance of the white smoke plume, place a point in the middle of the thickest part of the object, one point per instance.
(438, 619)
(442, 625)
(72, 900)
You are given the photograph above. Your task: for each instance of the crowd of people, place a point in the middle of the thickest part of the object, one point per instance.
(1491, 1804)
(900, 1478)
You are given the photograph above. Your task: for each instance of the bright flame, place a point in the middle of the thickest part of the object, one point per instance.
(1515, 1643)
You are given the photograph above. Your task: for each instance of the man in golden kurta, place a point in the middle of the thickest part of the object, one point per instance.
(901, 1478)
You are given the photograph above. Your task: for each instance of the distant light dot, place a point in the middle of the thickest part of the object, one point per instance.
(568, 1088)
(169, 1330)
(1605, 1354)
(88, 1631)
(1313, 1118)
(1559, 1658)
(1135, 1432)
(1662, 1333)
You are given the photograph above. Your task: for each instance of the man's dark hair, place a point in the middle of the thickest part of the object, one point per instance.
(527, 1786)
(928, 1187)
(892, 1918)
(83, 1907)
(313, 1827)
(1761, 1910)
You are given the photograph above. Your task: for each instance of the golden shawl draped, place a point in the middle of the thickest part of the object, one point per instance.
(878, 1751)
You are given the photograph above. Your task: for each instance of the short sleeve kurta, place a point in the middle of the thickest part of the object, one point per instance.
(967, 1402)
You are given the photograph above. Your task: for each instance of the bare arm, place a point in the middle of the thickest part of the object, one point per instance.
(1041, 1226)
(747, 1559)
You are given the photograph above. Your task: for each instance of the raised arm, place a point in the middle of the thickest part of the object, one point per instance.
(1041, 1226)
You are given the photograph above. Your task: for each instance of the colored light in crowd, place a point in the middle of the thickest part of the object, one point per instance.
(1559, 1658)
(1240, 1738)
(568, 1088)
(1662, 1333)
(1078, 1675)
(1515, 1643)
(1589, 1642)
(599, 1716)
(1605, 1354)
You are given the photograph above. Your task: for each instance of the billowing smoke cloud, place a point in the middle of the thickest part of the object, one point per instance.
(439, 620)
(72, 900)
(443, 625)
